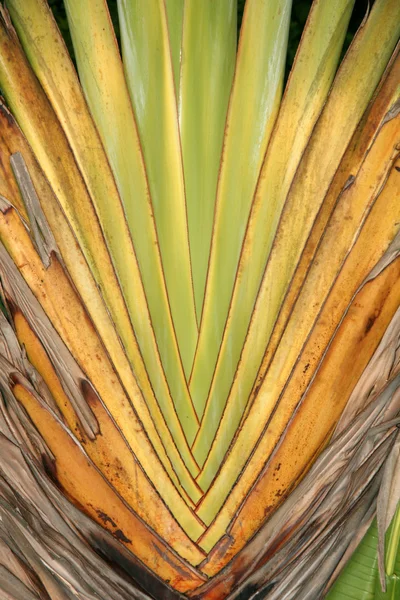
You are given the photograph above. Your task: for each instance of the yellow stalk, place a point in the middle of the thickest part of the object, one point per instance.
(331, 290)
(8, 184)
(144, 400)
(50, 60)
(310, 427)
(58, 298)
(349, 168)
(109, 451)
(292, 228)
(85, 485)
(308, 87)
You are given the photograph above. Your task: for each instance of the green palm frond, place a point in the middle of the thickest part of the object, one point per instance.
(200, 292)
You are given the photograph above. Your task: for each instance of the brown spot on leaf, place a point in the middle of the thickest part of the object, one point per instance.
(4, 111)
(105, 518)
(121, 537)
(50, 468)
(89, 393)
(371, 322)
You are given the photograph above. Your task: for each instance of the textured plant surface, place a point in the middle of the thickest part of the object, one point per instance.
(199, 267)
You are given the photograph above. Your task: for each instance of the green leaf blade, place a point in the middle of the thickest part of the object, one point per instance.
(306, 93)
(209, 51)
(149, 74)
(106, 92)
(175, 11)
(253, 108)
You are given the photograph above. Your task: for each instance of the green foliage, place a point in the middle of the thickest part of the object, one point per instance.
(360, 578)
(299, 16)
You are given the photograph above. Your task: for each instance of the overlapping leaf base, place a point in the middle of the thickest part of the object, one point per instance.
(200, 284)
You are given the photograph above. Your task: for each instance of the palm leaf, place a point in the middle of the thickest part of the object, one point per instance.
(200, 291)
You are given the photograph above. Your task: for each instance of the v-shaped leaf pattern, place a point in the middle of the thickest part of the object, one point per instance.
(197, 262)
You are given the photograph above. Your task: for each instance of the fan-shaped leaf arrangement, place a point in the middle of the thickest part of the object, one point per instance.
(197, 269)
